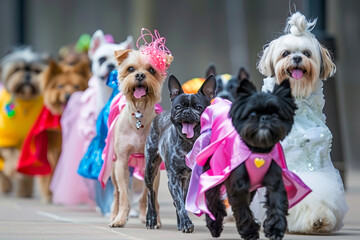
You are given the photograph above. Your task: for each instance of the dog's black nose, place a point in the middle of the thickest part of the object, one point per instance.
(264, 118)
(111, 67)
(140, 76)
(27, 77)
(297, 59)
(67, 96)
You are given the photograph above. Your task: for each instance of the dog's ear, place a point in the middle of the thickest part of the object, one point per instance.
(208, 88)
(121, 55)
(174, 87)
(265, 64)
(83, 69)
(169, 59)
(245, 88)
(128, 43)
(243, 74)
(52, 70)
(210, 70)
(96, 41)
(283, 89)
(327, 68)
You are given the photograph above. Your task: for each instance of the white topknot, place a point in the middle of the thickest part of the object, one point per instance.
(298, 25)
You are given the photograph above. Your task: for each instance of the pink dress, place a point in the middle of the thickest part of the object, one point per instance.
(78, 129)
(223, 144)
(136, 160)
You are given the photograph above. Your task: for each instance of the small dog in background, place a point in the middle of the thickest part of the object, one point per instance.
(72, 54)
(58, 83)
(244, 154)
(141, 74)
(299, 56)
(226, 84)
(171, 137)
(101, 54)
(20, 104)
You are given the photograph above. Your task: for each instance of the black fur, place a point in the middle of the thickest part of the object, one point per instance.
(262, 120)
(167, 142)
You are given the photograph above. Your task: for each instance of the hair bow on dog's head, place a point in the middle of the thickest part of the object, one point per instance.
(160, 55)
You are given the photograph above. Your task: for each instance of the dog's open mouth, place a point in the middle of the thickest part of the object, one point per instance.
(188, 129)
(140, 91)
(296, 73)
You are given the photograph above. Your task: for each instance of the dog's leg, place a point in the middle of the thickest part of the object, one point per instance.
(156, 188)
(174, 183)
(216, 207)
(122, 180)
(25, 188)
(115, 203)
(142, 205)
(276, 203)
(237, 186)
(151, 180)
(5, 182)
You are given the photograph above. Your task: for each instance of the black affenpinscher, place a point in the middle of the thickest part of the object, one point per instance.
(262, 120)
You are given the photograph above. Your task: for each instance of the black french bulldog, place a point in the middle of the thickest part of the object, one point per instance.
(171, 137)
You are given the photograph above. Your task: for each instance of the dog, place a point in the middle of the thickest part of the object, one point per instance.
(244, 154)
(141, 74)
(299, 56)
(58, 83)
(226, 83)
(20, 103)
(101, 54)
(72, 54)
(171, 137)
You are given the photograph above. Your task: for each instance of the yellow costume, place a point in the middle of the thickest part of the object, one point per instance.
(193, 85)
(16, 118)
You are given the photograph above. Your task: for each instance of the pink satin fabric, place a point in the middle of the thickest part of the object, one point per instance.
(227, 152)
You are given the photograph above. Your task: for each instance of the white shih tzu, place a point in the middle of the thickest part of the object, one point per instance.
(297, 55)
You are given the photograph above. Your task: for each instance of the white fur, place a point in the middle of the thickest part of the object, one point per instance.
(308, 145)
(99, 48)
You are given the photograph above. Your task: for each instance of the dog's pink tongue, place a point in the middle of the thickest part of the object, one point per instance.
(139, 92)
(188, 129)
(297, 74)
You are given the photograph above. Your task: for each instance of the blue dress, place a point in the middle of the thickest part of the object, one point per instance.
(91, 163)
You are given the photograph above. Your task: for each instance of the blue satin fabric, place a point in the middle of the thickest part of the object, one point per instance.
(91, 163)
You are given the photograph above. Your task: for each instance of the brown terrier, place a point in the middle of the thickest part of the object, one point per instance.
(58, 83)
(141, 84)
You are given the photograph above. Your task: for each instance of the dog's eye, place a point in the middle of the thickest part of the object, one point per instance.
(37, 71)
(77, 87)
(307, 53)
(177, 107)
(152, 71)
(102, 60)
(285, 53)
(253, 114)
(131, 69)
(16, 69)
(60, 86)
(199, 108)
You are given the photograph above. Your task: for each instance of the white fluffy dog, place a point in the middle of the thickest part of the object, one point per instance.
(297, 55)
(101, 54)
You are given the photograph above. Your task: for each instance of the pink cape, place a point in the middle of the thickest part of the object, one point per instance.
(136, 160)
(78, 129)
(227, 152)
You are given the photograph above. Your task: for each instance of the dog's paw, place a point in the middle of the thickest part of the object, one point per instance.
(118, 223)
(151, 221)
(187, 226)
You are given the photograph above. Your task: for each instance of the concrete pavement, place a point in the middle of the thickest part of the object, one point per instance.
(30, 219)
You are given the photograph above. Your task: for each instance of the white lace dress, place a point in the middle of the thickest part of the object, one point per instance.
(307, 151)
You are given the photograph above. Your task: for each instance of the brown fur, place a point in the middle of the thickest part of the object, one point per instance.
(58, 83)
(128, 139)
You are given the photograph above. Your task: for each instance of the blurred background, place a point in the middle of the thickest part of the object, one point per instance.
(228, 33)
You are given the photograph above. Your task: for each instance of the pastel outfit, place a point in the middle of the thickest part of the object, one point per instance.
(33, 157)
(227, 152)
(136, 160)
(92, 162)
(78, 129)
(307, 150)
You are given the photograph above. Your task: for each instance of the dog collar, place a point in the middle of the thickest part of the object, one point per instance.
(138, 116)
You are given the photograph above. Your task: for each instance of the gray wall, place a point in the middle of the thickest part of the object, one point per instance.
(229, 33)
